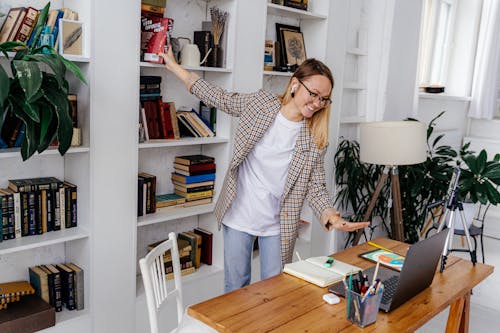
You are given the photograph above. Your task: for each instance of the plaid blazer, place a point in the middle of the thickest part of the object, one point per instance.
(306, 176)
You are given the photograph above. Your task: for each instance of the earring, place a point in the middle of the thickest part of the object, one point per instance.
(292, 92)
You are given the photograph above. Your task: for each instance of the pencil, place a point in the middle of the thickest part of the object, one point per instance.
(376, 272)
(378, 246)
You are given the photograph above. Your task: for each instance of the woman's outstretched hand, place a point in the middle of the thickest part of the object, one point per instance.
(335, 221)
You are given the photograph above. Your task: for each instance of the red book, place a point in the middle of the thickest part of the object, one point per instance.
(206, 245)
(155, 36)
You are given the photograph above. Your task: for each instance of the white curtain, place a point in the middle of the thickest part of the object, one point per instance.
(486, 68)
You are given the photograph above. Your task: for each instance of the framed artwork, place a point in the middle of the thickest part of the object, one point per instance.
(294, 47)
(71, 37)
(280, 28)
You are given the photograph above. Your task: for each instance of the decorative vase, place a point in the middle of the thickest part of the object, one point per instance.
(216, 58)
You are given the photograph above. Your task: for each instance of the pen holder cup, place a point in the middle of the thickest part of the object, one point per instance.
(360, 310)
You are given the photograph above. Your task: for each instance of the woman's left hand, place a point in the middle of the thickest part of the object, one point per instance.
(335, 221)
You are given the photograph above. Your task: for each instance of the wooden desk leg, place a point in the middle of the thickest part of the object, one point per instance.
(458, 319)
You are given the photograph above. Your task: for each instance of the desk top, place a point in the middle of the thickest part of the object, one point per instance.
(288, 304)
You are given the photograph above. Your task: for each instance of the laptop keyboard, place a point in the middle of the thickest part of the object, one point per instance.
(390, 286)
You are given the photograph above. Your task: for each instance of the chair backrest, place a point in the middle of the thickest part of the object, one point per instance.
(155, 283)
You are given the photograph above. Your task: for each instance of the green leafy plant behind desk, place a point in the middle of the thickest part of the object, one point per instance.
(420, 184)
(37, 93)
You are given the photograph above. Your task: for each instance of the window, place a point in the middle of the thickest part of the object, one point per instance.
(436, 41)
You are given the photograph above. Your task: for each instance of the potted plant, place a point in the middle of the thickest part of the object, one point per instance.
(420, 184)
(37, 92)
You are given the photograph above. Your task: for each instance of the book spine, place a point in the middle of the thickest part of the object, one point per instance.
(17, 215)
(25, 231)
(10, 210)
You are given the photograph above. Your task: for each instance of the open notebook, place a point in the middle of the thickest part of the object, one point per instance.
(314, 271)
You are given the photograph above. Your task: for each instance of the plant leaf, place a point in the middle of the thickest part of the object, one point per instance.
(73, 68)
(4, 86)
(29, 76)
(59, 101)
(55, 63)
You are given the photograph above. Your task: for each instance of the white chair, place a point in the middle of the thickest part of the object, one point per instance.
(155, 286)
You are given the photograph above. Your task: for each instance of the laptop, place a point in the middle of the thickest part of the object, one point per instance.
(417, 273)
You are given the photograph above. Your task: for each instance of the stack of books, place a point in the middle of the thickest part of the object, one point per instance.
(185, 256)
(194, 178)
(21, 311)
(34, 206)
(146, 194)
(11, 292)
(59, 285)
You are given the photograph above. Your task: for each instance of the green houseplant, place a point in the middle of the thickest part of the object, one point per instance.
(37, 92)
(420, 184)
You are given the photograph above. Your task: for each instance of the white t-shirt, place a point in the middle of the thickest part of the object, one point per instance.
(261, 181)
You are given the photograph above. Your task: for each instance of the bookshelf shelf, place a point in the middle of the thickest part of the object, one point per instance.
(274, 9)
(199, 68)
(16, 152)
(182, 142)
(172, 213)
(203, 272)
(273, 73)
(49, 238)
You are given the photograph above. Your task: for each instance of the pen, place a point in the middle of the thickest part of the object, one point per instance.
(376, 272)
(378, 246)
(298, 255)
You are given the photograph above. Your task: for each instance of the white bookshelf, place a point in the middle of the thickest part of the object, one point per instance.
(72, 244)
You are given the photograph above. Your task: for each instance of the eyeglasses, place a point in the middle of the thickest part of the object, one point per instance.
(323, 101)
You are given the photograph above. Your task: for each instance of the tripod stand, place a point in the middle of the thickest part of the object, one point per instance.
(452, 204)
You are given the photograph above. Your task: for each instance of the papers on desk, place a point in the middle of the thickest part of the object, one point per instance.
(313, 270)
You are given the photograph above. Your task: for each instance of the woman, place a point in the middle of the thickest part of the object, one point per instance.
(278, 162)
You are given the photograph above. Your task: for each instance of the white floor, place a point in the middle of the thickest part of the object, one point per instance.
(485, 300)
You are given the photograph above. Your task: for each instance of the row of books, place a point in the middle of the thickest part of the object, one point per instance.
(146, 194)
(20, 23)
(13, 130)
(195, 248)
(161, 120)
(34, 206)
(59, 285)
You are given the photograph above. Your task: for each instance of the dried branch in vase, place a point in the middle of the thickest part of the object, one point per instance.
(218, 23)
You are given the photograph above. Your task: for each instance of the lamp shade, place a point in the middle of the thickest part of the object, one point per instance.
(393, 142)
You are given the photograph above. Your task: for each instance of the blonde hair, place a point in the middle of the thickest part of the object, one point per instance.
(318, 124)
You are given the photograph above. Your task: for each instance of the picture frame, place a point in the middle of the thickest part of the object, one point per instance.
(282, 61)
(294, 47)
(71, 37)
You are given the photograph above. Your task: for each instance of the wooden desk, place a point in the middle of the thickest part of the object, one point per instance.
(288, 304)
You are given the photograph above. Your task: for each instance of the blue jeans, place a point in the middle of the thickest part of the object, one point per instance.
(238, 247)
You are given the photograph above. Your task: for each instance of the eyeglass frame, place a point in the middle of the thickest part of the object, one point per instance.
(322, 100)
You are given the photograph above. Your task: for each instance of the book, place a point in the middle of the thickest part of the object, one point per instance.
(195, 195)
(16, 288)
(195, 167)
(198, 202)
(10, 23)
(206, 245)
(30, 314)
(67, 286)
(187, 187)
(40, 281)
(56, 292)
(192, 239)
(169, 199)
(193, 159)
(193, 189)
(313, 270)
(199, 241)
(193, 173)
(192, 179)
(174, 120)
(185, 271)
(79, 286)
(29, 21)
